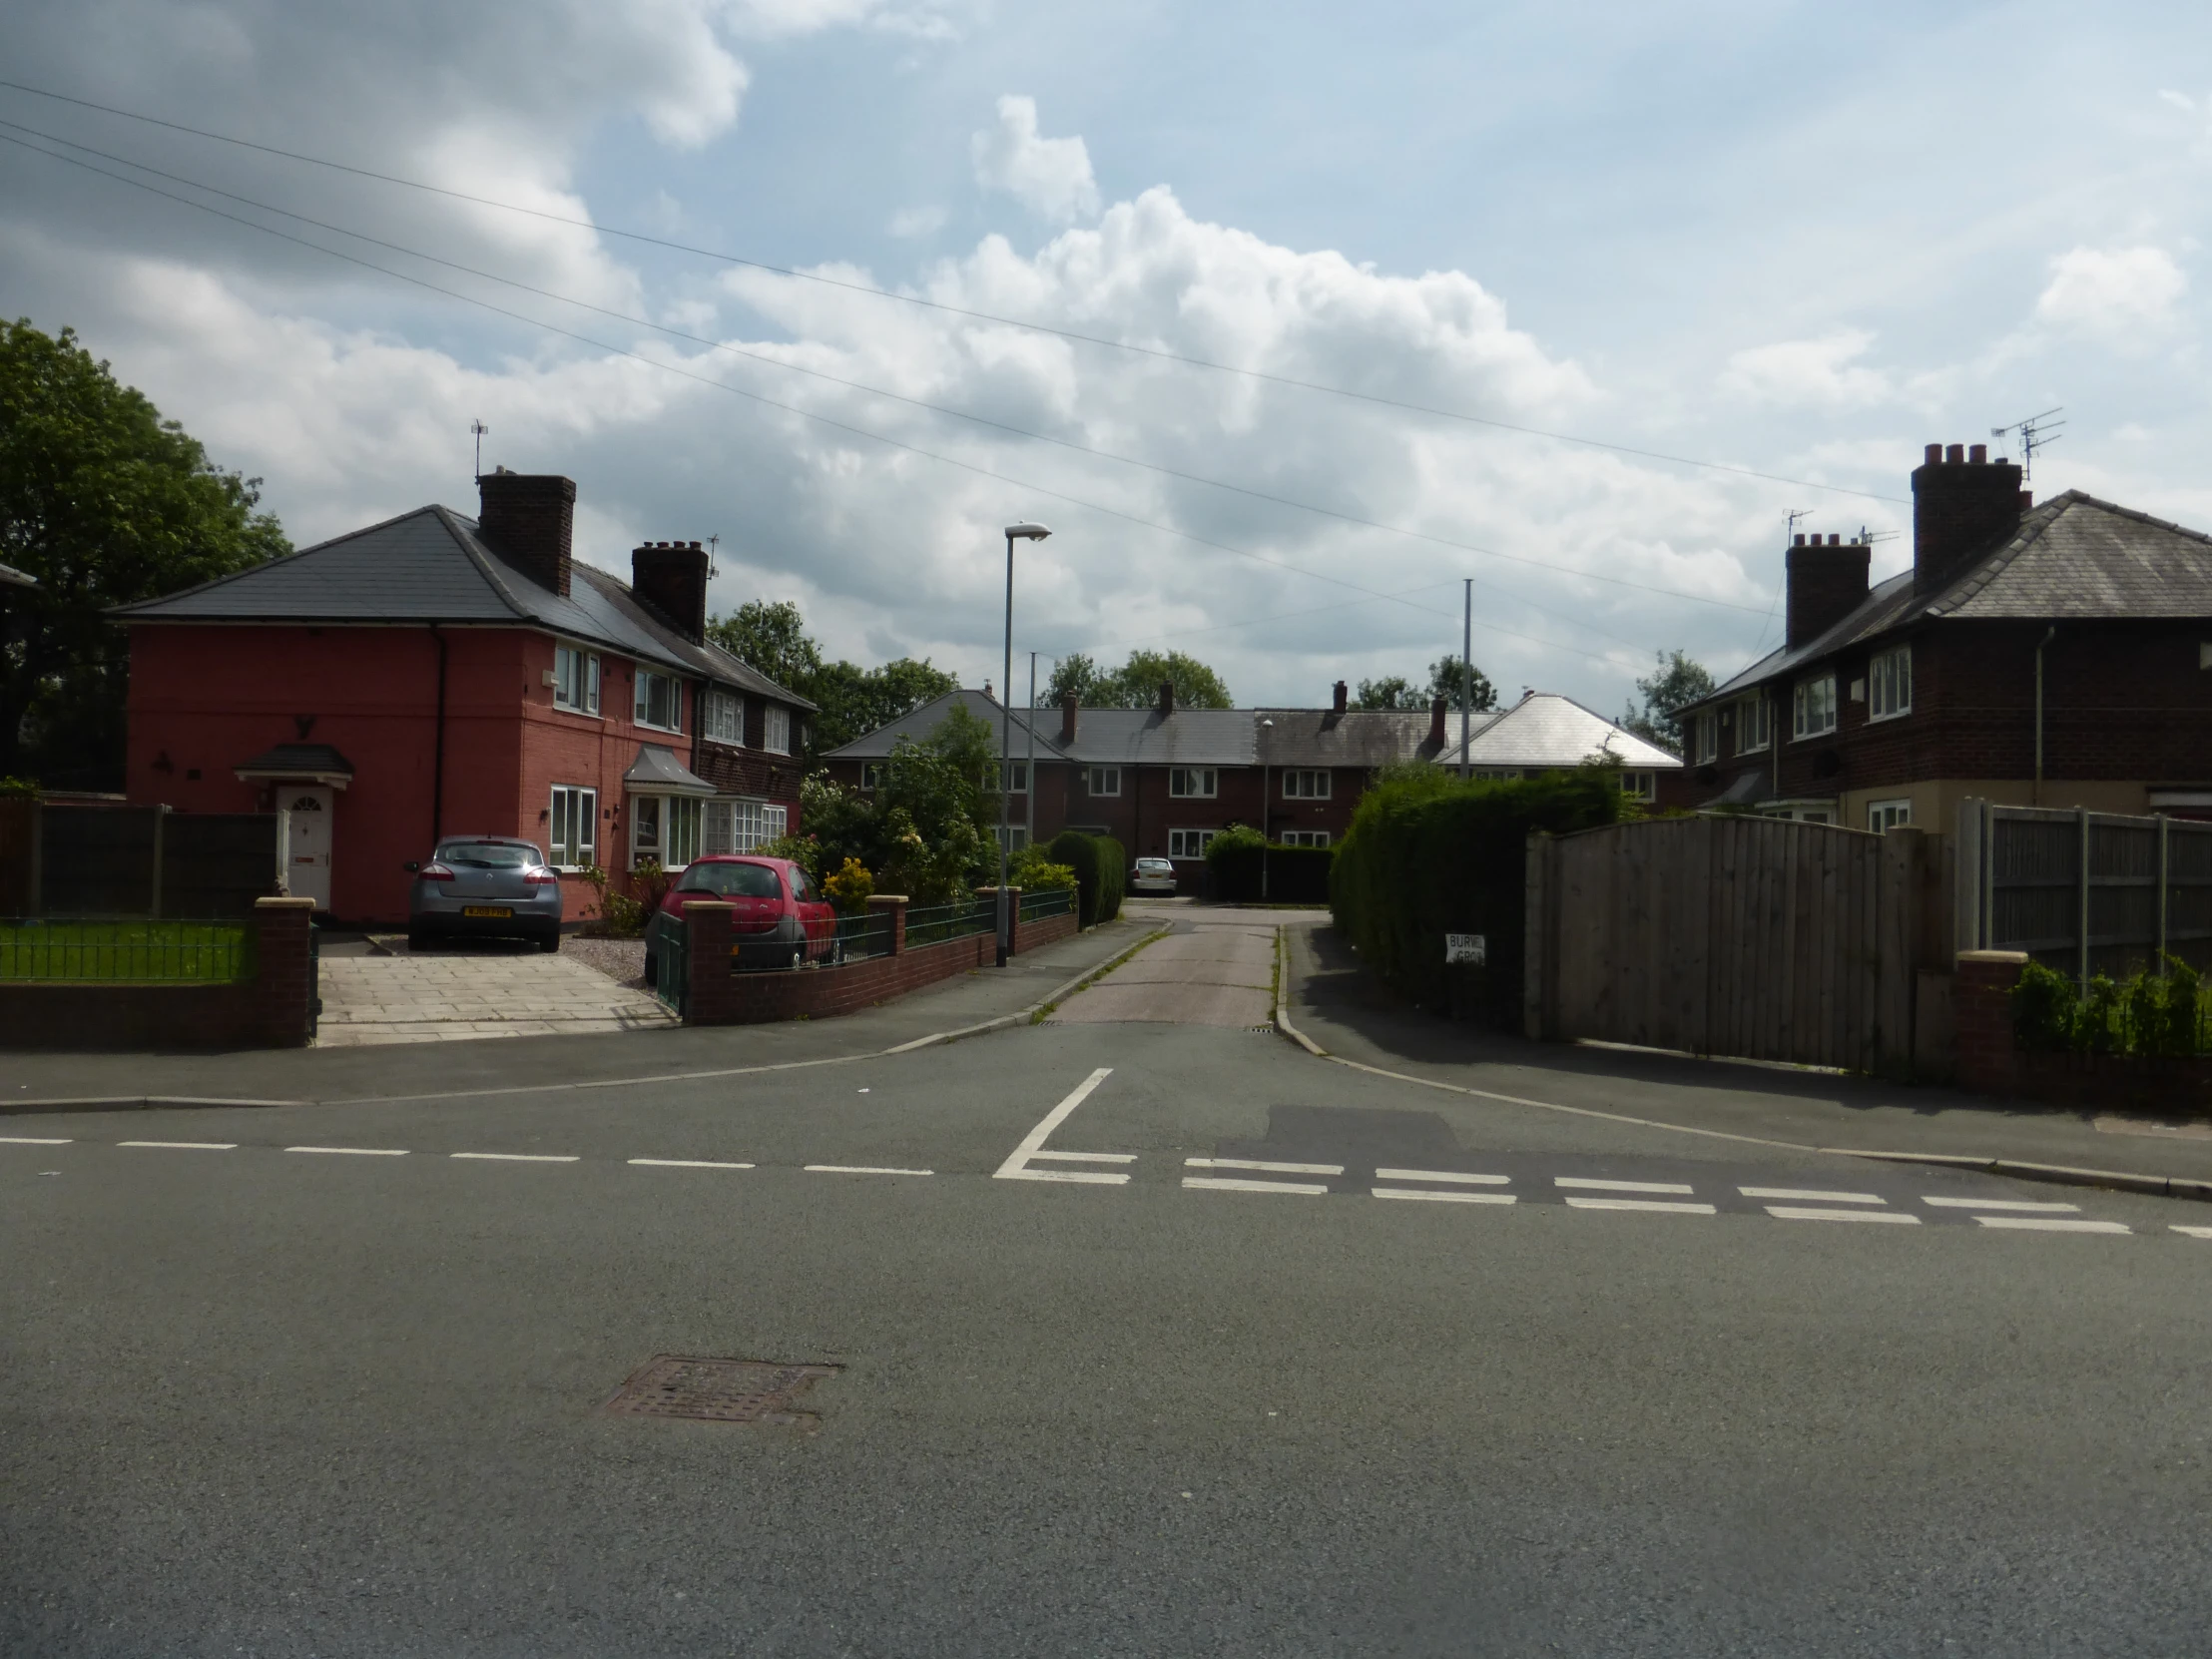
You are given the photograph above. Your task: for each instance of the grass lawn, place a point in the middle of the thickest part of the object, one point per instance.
(141, 951)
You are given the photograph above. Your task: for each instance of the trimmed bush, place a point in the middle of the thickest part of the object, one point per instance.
(1242, 865)
(1083, 855)
(1428, 855)
(1113, 876)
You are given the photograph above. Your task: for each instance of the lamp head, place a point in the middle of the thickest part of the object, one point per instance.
(1026, 532)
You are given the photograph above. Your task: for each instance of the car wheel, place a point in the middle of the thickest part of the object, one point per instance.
(417, 939)
(549, 941)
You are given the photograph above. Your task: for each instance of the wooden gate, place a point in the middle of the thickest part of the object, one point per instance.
(1758, 937)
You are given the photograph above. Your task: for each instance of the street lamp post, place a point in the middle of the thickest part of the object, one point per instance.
(1014, 533)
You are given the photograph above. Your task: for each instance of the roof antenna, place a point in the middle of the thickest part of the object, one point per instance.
(713, 542)
(480, 429)
(2037, 431)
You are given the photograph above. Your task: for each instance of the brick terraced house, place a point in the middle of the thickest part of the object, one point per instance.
(2054, 656)
(435, 675)
(1165, 781)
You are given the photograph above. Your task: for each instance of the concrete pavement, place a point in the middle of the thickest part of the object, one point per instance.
(1207, 971)
(265, 1397)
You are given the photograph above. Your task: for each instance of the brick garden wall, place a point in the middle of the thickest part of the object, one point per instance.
(1991, 1062)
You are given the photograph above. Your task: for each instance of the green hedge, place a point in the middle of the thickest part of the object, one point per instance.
(1428, 855)
(1101, 872)
(1294, 875)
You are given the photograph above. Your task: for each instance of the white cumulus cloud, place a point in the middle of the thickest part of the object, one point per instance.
(2114, 293)
(1795, 374)
(1051, 177)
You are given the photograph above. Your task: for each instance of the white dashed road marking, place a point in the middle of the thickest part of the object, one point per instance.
(687, 1163)
(1089, 1157)
(1644, 1203)
(1435, 1197)
(860, 1169)
(1789, 1211)
(35, 1140)
(518, 1157)
(1808, 1195)
(1442, 1175)
(2193, 1232)
(1619, 1186)
(1220, 1184)
(1265, 1166)
(187, 1146)
(2001, 1204)
(2053, 1224)
(355, 1151)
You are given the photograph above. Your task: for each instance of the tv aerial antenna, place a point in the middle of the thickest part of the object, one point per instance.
(2038, 432)
(479, 430)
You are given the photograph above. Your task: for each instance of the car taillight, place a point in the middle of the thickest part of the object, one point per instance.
(542, 878)
(434, 872)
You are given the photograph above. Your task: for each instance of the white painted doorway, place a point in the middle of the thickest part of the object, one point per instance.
(307, 809)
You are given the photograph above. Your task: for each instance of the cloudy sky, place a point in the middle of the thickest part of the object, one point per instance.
(1797, 241)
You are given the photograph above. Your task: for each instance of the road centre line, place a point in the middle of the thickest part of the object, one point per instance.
(1016, 1167)
(1442, 1175)
(2193, 1232)
(1811, 1195)
(2001, 1204)
(1262, 1164)
(687, 1163)
(518, 1157)
(2053, 1224)
(187, 1146)
(1224, 1184)
(36, 1139)
(1791, 1212)
(1089, 1157)
(1434, 1197)
(1619, 1186)
(1643, 1204)
(355, 1151)
(860, 1169)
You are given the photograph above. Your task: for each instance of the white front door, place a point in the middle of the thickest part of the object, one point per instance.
(307, 840)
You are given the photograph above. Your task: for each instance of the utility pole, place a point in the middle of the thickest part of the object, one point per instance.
(1466, 676)
(1030, 778)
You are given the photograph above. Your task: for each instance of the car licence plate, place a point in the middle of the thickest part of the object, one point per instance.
(492, 912)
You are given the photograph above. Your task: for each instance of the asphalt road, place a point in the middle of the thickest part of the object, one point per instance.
(265, 1400)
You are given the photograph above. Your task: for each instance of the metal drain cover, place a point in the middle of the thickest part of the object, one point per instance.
(716, 1390)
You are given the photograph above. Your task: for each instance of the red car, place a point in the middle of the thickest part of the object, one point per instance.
(781, 919)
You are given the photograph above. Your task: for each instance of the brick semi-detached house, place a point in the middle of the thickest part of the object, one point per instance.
(434, 675)
(2054, 656)
(1165, 781)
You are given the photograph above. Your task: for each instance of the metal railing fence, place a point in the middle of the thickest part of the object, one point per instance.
(935, 924)
(125, 950)
(863, 937)
(1037, 907)
(2085, 892)
(671, 952)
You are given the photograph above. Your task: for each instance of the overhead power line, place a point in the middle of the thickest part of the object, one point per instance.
(774, 403)
(1161, 354)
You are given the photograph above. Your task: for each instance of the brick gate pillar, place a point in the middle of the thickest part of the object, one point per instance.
(286, 949)
(710, 984)
(893, 905)
(1982, 996)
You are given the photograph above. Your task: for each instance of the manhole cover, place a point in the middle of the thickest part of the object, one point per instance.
(716, 1390)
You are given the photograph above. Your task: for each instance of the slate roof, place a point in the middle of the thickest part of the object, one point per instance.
(1543, 730)
(657, 768)
(429, 565)
(2074, 558)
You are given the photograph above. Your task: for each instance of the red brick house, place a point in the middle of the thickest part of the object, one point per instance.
(1165, 781)
(2053, 656)
(435, 675)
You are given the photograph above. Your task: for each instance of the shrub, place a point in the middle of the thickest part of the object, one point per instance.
(1247, 868)
(1095, 861)
(1034, 872)
(2043, 1009)
(803, 851)
(1428, 855)
(851, 888)
(621, 915)
(1113, 876)
(2152, 1014)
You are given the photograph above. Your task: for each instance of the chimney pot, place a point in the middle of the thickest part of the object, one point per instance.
(1801, 538)
(1067, 717)
(529, 520)
(1932, 455)
(1979, 455)
(671, 579)
(1341, 697)
(1954, 456)
(1961, 511)
(1834, 539)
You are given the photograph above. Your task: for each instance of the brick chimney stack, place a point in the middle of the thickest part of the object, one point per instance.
(1963, 504)
(1343, 696)
(671, 577)
(1167, 698)
(1067, 717)
(1437, 708)
(529, 519)
(1824, 582)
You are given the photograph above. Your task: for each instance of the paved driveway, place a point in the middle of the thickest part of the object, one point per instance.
(1205, 973)
(474, 991)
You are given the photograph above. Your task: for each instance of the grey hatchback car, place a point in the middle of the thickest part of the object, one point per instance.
(481, 886)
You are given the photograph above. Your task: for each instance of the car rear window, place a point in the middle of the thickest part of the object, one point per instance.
(490, 855)
(802, 889)
(732, 880)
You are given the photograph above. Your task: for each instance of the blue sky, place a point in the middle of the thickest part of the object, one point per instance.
(1798, 239)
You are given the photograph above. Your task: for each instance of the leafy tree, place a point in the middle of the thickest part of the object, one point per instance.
(1136, 684)
(103, 502)
(1397, 691)
(928, 827)
(854, 701)
(1677, 681)
(770, 634)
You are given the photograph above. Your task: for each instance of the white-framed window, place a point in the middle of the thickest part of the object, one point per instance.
(740, 826)
(660, 701)
(1887, 815)
(1496, 774)
(1705, 739)
(1016, 837)
(871, 773)
(1105, 779)
(1305, 837)
(724, 718)
(1813, 706)
(645, 829)
(775, 729)
(1189, 844)
(1753, 724)
(1889, 684)
(667, 827)
(575, 680)
(1017, 776)
(1305, 786)
(684, 819)
(575, 827)
(1641, 785)
(1192, 782)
